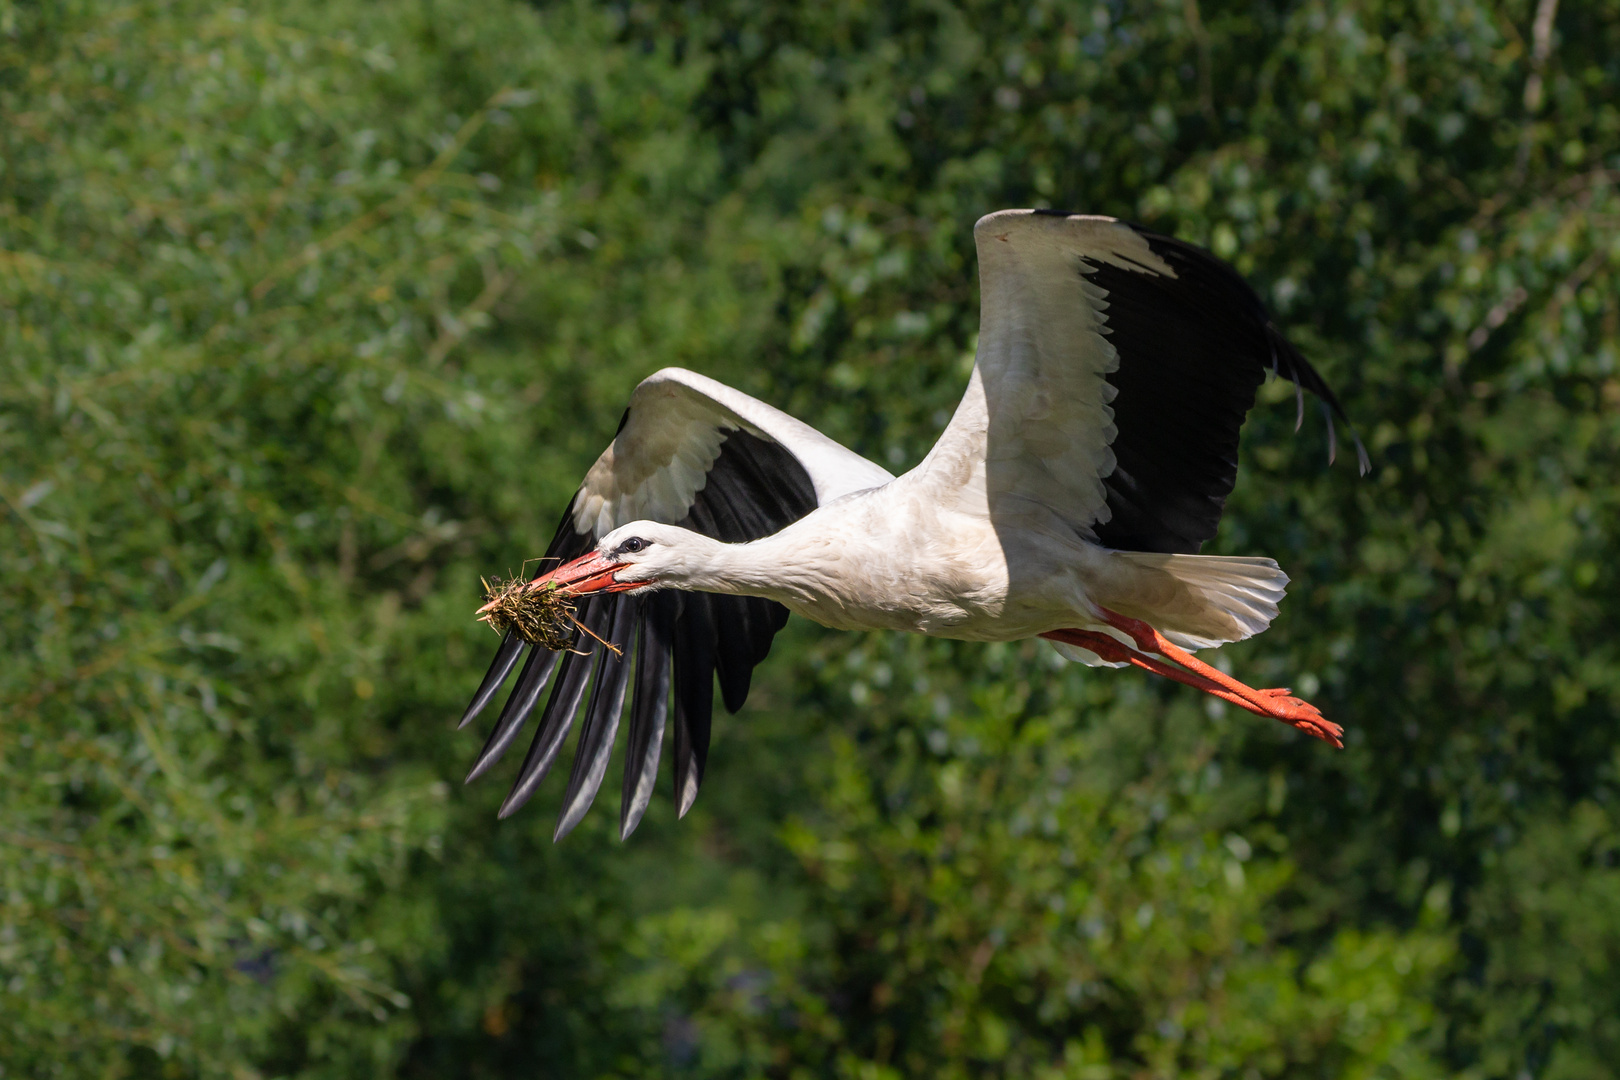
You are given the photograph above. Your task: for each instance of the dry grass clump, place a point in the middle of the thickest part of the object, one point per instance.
(540, 614)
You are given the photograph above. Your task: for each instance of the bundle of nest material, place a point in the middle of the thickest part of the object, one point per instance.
(539, 611)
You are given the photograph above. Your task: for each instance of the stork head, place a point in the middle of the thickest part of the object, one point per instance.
(640, 556)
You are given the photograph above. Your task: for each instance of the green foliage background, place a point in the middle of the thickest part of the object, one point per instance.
(310, 313)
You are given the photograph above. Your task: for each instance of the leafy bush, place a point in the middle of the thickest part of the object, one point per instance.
(312, 313)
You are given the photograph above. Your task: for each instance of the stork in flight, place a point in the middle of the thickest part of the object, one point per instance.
(1066, 499)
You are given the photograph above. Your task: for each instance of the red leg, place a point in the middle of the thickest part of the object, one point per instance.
(1275, 703)
(1115, 652)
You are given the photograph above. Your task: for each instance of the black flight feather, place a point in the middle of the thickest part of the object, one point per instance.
(694, 695)
(601, 720)
(1193, 349)
(499, 668)
(648, 709)
(567, 693)
(525, 695)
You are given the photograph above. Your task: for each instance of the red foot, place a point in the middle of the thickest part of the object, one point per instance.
(1277, 703)
(1302, 715)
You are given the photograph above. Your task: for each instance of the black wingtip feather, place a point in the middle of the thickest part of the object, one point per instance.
(694, 697)
(649, 710)
(506, 658)
(1194, 345)
(567, 694)
(740, 622)
(601, 722)
(531, 681)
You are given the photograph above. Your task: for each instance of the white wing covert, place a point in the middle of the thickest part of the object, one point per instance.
(672, 433)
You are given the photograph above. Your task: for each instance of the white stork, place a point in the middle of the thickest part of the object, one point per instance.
(1067, 498)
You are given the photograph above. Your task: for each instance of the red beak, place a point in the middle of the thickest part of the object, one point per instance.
(587, 574)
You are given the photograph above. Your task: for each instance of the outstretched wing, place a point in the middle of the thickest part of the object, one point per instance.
(1115, 368)
(692, 452)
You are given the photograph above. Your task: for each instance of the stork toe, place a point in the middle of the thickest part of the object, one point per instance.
(1301, 714)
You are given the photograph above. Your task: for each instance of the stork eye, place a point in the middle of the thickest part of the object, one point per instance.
(633, 545)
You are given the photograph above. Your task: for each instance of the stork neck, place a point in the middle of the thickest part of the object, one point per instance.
(770, 567)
